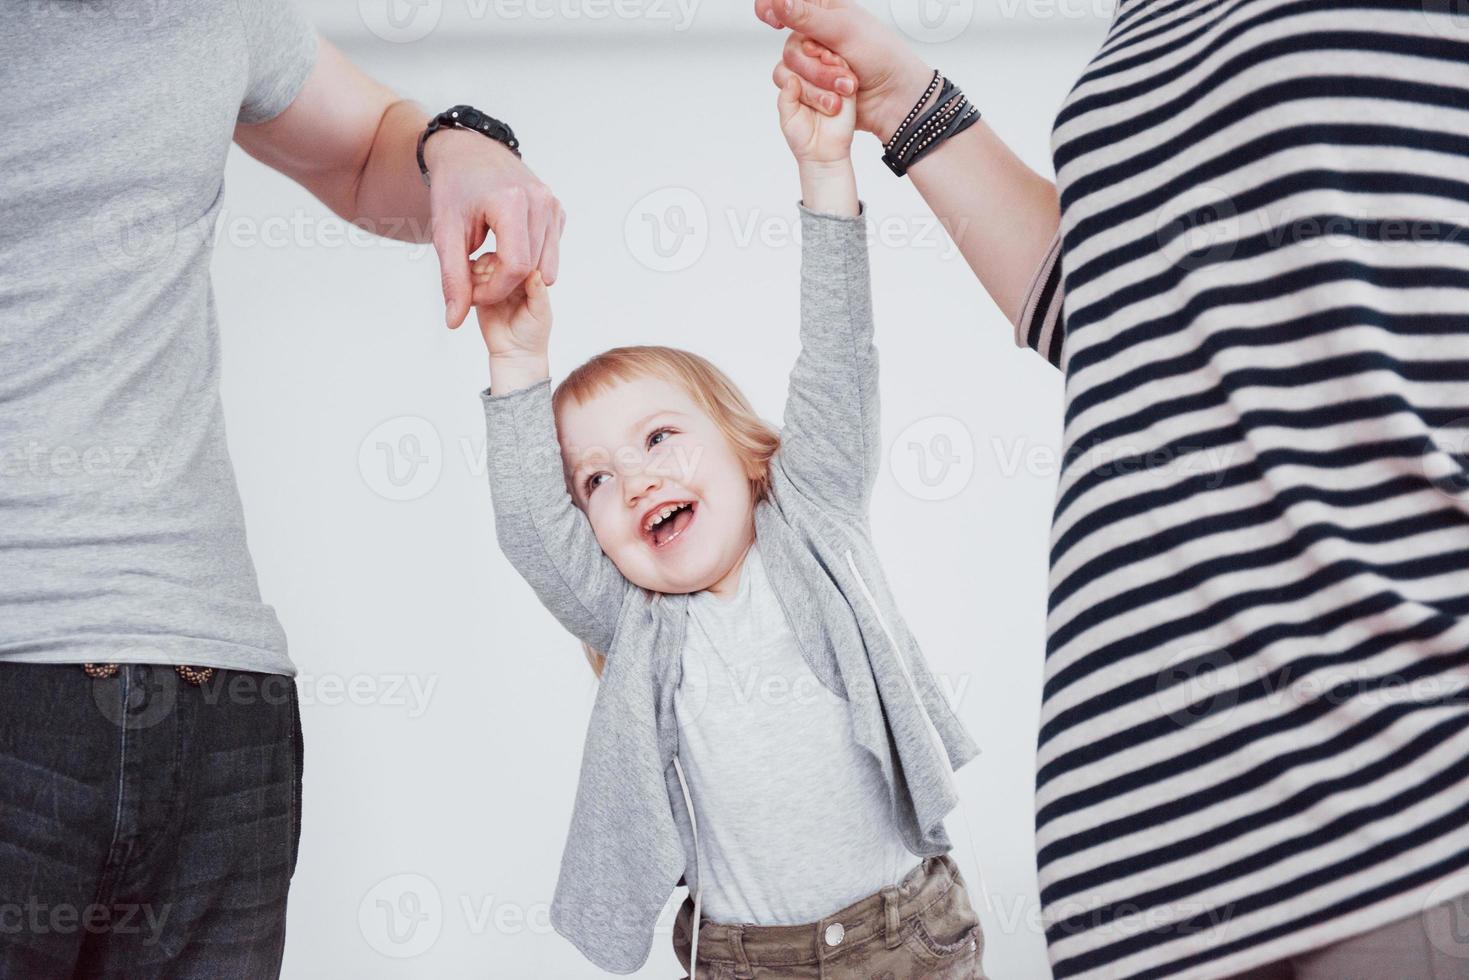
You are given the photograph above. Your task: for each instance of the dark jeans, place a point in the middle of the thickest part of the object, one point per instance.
(148, 827)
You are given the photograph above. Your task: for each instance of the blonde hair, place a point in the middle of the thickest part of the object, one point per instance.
(753, 440)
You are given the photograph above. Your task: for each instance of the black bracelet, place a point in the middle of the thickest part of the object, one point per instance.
(933, 83)
(466, 117)
(922, 132)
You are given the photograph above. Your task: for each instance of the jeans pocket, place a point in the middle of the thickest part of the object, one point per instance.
(947, 933)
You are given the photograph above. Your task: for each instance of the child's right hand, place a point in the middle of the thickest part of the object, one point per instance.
(517, 330)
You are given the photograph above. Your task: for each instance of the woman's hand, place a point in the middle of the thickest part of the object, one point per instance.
(517, 329)
(836, 48)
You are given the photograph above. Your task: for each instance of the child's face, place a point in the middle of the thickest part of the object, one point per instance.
(641, 449)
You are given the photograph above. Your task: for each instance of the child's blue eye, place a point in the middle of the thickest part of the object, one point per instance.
(657, 436)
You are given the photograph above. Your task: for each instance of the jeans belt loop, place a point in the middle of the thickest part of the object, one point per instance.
(890, 915)
(743, 970)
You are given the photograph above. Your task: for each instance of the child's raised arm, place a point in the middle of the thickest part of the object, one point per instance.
(831, 442)
(545, 536)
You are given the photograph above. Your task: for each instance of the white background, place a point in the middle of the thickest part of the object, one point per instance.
(444, 709)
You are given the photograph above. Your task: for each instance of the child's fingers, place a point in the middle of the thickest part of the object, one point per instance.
(483, 268)
(789, 99)
(814, 63)
(822, 53)
(824, 102)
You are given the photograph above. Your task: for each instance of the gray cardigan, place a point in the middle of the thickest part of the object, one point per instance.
(631, 838)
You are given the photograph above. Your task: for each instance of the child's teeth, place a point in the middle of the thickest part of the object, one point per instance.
(662, 515)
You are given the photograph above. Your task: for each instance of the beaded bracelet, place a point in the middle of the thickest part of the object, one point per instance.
(922, 132)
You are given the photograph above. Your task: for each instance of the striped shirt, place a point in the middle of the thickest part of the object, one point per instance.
(1255, 733)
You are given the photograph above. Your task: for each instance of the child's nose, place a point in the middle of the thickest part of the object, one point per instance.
(639, 485)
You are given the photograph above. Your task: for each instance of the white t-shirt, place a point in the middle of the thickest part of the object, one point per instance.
(793, 816)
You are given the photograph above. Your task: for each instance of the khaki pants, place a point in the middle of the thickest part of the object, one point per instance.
(923, 928)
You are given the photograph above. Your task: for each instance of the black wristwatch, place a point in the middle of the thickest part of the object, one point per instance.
(466, 117)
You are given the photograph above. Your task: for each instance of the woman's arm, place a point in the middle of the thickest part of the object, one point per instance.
(539, 528)
(1003, 216)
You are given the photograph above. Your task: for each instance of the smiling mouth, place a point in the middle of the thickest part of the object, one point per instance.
(666, 524)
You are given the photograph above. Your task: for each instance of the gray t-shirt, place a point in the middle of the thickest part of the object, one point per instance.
(121, 532)
(793, 816)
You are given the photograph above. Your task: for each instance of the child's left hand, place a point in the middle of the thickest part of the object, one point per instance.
(815, 138)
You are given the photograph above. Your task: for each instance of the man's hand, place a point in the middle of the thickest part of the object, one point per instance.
(350, 141)
(516, 328)
(479, 186)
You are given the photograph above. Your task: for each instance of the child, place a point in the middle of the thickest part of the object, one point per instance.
(766, 726)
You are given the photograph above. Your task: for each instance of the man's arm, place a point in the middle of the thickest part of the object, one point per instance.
(351, 142)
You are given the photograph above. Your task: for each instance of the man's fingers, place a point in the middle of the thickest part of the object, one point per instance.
(813, 68)
(450, 244)
(551, 252)
(822, 101)
(508, 218)
(538, 215)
